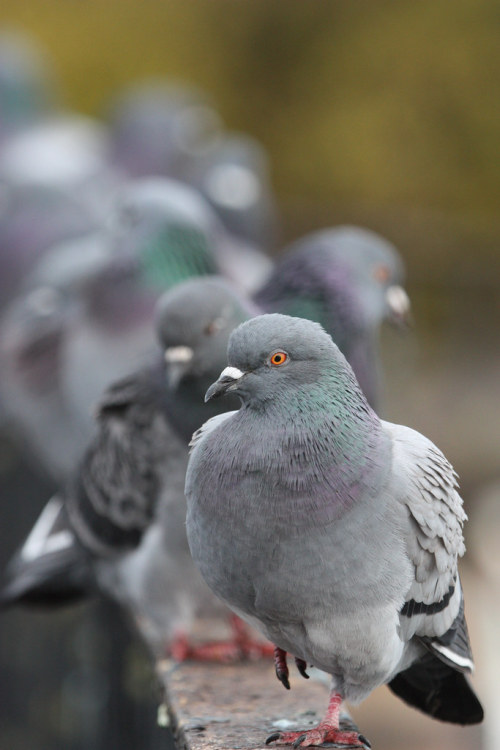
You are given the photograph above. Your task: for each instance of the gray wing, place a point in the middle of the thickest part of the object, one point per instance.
(208, 427)
(112, 499)
(433, 613)
(433, 609)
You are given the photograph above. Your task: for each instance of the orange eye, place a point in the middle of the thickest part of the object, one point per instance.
(278, 358)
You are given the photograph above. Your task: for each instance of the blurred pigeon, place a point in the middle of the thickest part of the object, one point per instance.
(33, 218)
(27, 86)
(55, 183)
(335, 533)
(69, 152)
(161, 233)
(178, 235)
(157, 126)
(349, 280)
(233, 175)
(168, 228)
(124, 512)
(33, 335)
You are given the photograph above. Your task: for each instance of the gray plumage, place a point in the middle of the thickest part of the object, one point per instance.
(177, 234)
(334, 532)
(234, 176)
(349, 280)
(124, 509)
(33, 335)
(158, 125)
(161, 233)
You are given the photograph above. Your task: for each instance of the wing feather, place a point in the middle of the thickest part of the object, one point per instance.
(208, 427)
(112, 499)
(428, 488)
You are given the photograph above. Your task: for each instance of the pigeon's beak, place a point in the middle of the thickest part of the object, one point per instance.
(178, 359)
(399, 306)
(228, 380)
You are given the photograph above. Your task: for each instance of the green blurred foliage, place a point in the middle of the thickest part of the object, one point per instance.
(385, 113)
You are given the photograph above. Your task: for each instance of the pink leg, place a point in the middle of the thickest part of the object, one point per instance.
(250, 648)
(239, 647)
(327, 731)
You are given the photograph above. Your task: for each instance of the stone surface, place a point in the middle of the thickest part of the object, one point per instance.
(231, 707)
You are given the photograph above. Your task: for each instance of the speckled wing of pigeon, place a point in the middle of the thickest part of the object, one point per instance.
(208, 427)
(433, 611)
(436, 520)
(113, 498)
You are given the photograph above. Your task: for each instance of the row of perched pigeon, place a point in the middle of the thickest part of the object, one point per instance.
(130, 253)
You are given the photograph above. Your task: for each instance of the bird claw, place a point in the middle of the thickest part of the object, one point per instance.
(283, 678)
(273, 737)
(281, 667)
(315, 737)
(301, 666)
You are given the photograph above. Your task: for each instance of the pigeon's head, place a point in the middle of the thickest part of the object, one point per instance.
(168, 228)
(233, 175)
(193, 322)
(157, 127)
(373, 269)
(32, 335)
(270, 354)
(344, 277)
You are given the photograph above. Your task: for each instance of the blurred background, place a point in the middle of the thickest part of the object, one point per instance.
(383, 115)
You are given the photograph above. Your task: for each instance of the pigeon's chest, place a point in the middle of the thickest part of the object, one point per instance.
(277, 557)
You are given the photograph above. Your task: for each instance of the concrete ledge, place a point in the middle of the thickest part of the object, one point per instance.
(235, 707)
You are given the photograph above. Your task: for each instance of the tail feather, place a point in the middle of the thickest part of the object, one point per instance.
(51, 567)
(438, 690)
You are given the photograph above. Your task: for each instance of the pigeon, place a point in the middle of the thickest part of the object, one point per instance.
(161, 233)
(70, 152)
(348, 279)
(167, 129)
(33, 336)
(119, 524)
(55, 183)
(34, 218)
(179, 235)
(333, 532)
(158, 125)
(233, 175)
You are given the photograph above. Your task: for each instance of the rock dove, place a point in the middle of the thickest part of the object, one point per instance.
(178, 235)
(33, 218)
(121, 521)
(33, 335)
(348, 279)
(157, 126)
(55, 183)
(335, 533)
(31, 344)
(233, 175)
(162, 233)
(69, 152)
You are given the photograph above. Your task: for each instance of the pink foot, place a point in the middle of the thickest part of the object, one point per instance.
(238, 648)
(223, 652)
(328, 730)
(319, 735)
